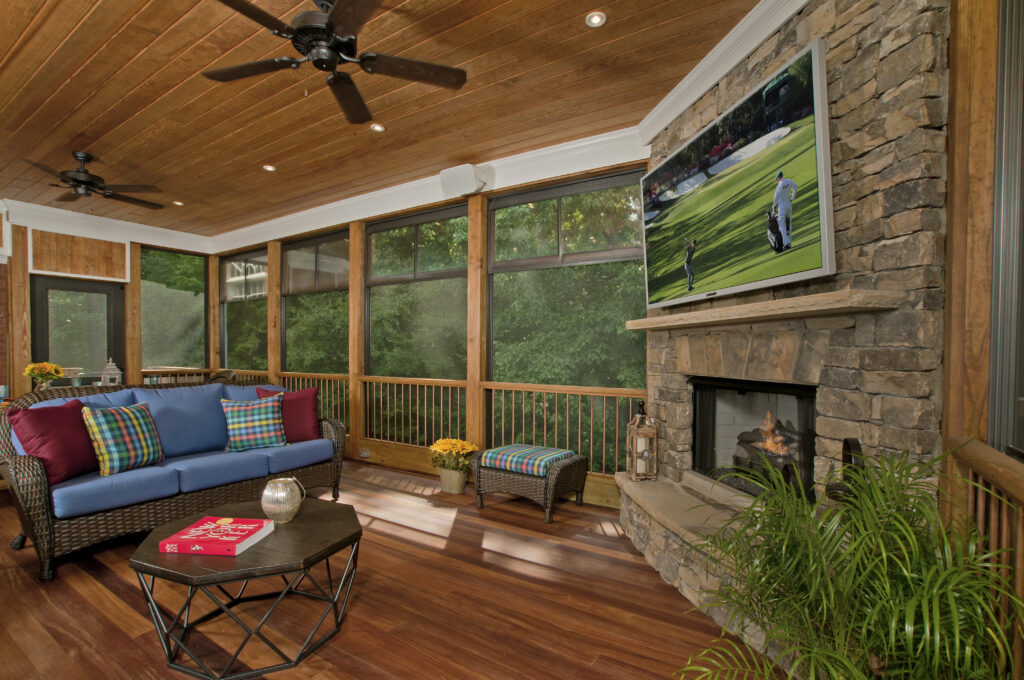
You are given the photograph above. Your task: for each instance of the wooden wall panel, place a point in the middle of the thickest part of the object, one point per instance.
(274, 311)
(973, 80)
(133, 319)
(20, 319)
(476, 321)
(78, 256)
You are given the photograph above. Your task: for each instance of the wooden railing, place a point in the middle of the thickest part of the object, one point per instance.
(174, 375)
(589, 420)
(333, 391)
(985, 488)
(251, 377)
(413, 411)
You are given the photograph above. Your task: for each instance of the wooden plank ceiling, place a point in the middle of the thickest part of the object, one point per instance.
(121, 80)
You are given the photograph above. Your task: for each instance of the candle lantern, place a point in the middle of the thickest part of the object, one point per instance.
(642, 446)
(111, 374)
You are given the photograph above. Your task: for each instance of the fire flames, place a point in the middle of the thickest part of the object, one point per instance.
(771, 441)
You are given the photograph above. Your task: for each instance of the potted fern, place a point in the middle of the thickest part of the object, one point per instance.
(875, 586)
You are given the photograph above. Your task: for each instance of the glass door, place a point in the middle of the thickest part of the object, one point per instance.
(78, 324)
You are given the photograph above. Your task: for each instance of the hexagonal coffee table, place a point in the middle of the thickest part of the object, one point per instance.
(319, 531)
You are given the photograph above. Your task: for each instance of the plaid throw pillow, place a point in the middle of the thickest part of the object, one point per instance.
(254, 424)
(124, 437)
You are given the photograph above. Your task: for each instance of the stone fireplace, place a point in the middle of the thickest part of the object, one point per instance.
(741, 424)
(864, 344)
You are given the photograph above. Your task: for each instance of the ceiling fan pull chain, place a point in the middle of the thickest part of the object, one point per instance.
(307, 79)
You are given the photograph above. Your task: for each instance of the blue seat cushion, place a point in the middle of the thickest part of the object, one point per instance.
(213, 468)
(90, 492)
(102, 400)
(299, 454)
(187, 419)
(247, 392)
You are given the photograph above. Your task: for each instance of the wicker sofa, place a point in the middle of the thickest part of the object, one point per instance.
(57, 527)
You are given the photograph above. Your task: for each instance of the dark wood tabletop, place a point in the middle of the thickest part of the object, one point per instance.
(320, 529)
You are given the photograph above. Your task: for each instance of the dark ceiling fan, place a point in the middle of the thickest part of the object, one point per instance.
(84, 183)
(328, 38)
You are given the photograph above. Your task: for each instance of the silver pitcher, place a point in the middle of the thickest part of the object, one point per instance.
(282, 498)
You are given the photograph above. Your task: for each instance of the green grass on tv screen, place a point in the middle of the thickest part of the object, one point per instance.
(726, 214)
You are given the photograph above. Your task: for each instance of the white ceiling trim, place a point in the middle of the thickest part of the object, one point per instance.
(752, 30)
(73, 223)
(612, 148)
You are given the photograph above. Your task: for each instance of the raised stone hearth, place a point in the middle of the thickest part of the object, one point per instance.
(875, 365)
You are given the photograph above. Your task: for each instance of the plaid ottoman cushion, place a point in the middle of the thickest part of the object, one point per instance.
(528, 460)
(254, 424)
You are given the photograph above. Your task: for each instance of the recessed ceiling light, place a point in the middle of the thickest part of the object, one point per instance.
(270, 168)
(595, 19)
(177, 203)
(377, 127)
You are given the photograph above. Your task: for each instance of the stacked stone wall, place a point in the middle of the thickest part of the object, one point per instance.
(878, 374)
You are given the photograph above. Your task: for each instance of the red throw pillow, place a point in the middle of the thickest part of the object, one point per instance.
(57, 436)
(299, 413)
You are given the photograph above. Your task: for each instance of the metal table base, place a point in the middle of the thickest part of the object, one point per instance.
(175, 629)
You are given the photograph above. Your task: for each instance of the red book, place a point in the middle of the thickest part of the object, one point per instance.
(217, 536)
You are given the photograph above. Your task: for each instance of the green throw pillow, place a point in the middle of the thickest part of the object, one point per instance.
(254, 424)
(124, 437)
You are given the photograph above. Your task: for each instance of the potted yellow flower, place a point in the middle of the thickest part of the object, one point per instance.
(43, 372)
(451, 456)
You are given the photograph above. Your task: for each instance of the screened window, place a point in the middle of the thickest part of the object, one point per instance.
(244, 311)
(315, 289)
(566, 274)
(416, 296)
(173, 309)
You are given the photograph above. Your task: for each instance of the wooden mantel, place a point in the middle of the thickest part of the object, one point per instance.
(847, 301)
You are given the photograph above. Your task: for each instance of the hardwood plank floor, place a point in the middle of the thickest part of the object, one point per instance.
(443, 590)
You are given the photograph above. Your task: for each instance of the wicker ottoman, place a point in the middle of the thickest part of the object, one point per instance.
(559, 477)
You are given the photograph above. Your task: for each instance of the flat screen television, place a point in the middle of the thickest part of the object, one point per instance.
(747, 202)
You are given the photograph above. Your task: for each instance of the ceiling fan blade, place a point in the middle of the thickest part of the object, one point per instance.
(254, 68)
(130, 188)
(276, 26)
(132, 200)
(348, 16)
(45, 168)
(349, 99)
(410, 69)
(69, 196)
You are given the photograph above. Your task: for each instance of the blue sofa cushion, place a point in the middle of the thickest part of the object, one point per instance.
(214, 468)
(188, 419)
(299, 454)
(246, 392)
(102, 400)
(90, 492)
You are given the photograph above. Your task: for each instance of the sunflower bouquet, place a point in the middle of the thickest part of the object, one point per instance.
(44, 371)
(452, 454)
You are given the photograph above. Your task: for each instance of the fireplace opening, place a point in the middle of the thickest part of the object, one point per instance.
(740, 423)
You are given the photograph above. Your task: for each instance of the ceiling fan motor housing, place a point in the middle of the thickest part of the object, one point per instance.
(311, 38)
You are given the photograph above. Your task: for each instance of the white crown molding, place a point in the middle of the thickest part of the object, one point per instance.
(90, 226)
(612, 148)
(752, 30)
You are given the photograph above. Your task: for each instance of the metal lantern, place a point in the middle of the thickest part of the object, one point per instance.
(642, 446)
(111, 374)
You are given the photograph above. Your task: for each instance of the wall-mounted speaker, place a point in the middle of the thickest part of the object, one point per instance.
(461, 180)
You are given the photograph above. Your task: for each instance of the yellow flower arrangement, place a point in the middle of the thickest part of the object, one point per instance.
(452, 454)
(44, 371)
